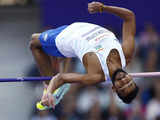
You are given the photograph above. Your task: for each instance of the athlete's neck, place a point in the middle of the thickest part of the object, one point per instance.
(113, 61)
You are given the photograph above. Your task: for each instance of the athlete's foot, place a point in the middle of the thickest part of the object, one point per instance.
(57, 96)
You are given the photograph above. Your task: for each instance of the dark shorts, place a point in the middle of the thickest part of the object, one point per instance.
(47, 40)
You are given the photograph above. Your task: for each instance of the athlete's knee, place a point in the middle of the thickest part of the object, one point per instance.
(35, 36)
(34, 43)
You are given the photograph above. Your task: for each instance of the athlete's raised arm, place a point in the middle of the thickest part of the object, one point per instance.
(129, 26)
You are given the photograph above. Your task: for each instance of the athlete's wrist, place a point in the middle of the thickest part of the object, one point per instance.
(49, 91)
(51, 86)
(101, 9)
(54, 83)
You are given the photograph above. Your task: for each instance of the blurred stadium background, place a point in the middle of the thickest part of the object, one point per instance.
(20, 18)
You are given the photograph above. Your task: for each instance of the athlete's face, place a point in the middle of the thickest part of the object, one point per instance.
(124, 84)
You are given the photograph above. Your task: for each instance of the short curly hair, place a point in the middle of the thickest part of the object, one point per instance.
(132, 95)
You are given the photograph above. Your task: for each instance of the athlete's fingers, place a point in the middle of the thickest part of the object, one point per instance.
(45, 85)
(95, 4)
(45, 102)
(45, 99)
(50, 100)
(52, 103)
(91, 10)
(91, 5)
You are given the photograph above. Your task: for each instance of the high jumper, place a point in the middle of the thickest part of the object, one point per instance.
(101, 53)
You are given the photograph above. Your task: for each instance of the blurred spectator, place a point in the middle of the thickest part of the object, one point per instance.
(153, 107)
(87, 98)
(149, 37)
(151, 61)
(148, 48)
(113, 112)
(95, 111)
(136, 111)
(69, 111)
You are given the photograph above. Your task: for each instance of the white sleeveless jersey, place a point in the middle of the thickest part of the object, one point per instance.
(80, 38)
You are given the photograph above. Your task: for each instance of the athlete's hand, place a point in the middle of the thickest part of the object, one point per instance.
(48, 100)
(95, 7)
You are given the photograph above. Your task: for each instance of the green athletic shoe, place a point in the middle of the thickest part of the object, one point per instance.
(58, 95)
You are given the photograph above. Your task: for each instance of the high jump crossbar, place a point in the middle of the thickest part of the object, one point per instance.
(32, 79)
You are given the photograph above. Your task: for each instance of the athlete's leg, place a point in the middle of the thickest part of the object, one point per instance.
(45, 64)
(43, 60)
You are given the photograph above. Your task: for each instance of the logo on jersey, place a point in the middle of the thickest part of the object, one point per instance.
(45, 37)
(94, 29)
(99, 48)
(94, 35)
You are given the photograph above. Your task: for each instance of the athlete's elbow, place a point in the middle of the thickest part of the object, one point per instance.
(31, 45)
(61, 77)
(130, 16)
